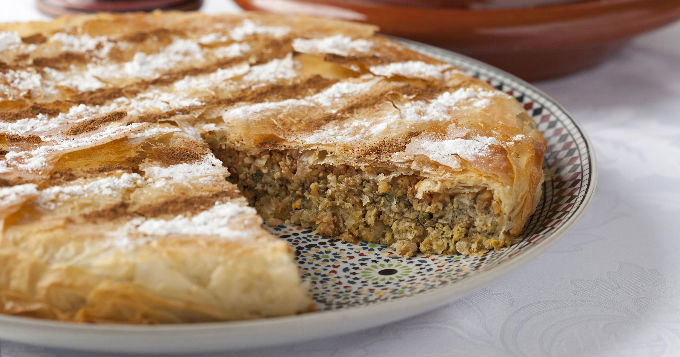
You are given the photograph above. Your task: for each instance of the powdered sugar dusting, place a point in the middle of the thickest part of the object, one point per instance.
(216, 221)
(340, 90)
(417, 69)
(42, 124)
(439, 109)
(212, 38)
(54, 196)
(156, 101)
(208, 127)
(443, 151)
(338, 44)
(223, 221)
(154, 131)
(248, 27)
(273, 70)
(142, 65)
(180, 50)
(12, 194)
(211, 80)
(251, 111)
(21, 82)
(9, 40)
(83, 43)
(326, 99)
(233, 50)
(82, 80)
(36, 160)
(153, 100)
(350, 131)
(208, 166)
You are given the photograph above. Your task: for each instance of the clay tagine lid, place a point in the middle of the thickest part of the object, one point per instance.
(63, 7)
(467, 4)
(533, 39)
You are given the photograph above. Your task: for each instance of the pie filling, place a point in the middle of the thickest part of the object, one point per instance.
(364, 204)
(117, 132)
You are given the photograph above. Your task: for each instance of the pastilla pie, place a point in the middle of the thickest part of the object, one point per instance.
(117, 133)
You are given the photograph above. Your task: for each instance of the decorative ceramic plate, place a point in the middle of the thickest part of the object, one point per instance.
(365, 285)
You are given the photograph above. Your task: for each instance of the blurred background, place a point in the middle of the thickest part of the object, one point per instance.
(533, 39)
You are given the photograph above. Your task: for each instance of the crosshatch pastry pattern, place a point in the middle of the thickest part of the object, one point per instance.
(365, 151)
(345, 275)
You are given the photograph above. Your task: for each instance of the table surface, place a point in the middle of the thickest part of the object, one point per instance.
(611, 286)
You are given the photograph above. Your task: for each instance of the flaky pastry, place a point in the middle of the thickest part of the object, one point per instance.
(117, 133)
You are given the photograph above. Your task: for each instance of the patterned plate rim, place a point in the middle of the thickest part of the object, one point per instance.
(279, 330)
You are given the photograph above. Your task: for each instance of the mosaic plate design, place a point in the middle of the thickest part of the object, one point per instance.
(357, 286)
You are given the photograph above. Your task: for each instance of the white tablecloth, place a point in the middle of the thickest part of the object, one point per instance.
(610, 287)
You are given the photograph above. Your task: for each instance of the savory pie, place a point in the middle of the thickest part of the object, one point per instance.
(117, 133)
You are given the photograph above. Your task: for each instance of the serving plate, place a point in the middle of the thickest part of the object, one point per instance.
(365, 285)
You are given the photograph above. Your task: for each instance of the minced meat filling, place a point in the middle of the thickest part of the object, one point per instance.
(353, 204)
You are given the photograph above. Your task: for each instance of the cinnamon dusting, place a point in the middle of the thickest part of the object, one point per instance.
(174, 206)
(114, 167)
(275, 92)
(414, 92)
(367, 60)
(4, 67)
(94, 124)
(369, 101)
(59, 177)
(182, 205)
(61, 62)
(157, 117)
(32, 111)
(386, 147)
(159, 34)
(30, 139)
(273, 49)
(103, 95)
(116, 211)
(35, 39)
(173, 155)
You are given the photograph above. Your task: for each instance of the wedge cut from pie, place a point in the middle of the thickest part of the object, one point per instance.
(135, 222)
(134, 146)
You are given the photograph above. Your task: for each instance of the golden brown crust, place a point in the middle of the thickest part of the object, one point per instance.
(103, 166)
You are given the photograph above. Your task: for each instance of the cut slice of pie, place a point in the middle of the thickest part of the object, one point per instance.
(134, 222)
(117, 133)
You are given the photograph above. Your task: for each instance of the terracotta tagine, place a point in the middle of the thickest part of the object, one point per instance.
(534, 39)
(63, 7)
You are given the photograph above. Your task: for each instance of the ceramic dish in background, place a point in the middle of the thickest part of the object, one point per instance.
(477, 4)
(65, 7)
(534, 43)
(366, 285)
